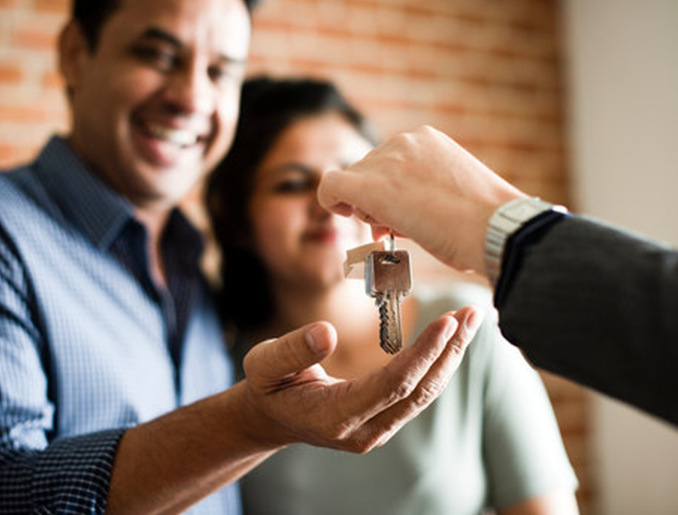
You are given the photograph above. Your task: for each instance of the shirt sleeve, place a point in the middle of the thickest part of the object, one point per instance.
(523, 449)
(598, 305)
(40, 474)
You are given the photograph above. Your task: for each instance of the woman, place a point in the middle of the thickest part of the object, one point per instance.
(489, 442)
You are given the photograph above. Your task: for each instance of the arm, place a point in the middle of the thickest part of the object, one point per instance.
(170, 463)
(598, 305)
(286, 398)
(70, 473)
(588, 302)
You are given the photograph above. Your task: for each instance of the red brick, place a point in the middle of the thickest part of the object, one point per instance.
(34, 40)
(10, 74)
(53, 80)
(26, 114)
(53, 6)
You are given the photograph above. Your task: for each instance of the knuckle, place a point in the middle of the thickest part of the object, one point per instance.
(338, 432)
(405, 139)
(384, 439)
(364, 444)
(459, 341)
(249, 363)
(427, 392)
(402, 389)
(338, 428)
(364, 447)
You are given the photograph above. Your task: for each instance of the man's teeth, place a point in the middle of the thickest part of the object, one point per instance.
(180, 137)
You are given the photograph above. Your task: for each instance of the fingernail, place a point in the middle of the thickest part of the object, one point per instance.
(451, 329)
(313, 336)
(474, 319)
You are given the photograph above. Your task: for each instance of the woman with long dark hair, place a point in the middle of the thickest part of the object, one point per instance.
(489, 442)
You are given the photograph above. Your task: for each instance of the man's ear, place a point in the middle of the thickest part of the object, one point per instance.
(73, 54)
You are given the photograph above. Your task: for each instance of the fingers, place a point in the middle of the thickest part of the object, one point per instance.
(301, 403)
(271, 362)
(437, 377)
(340, 184)
(337, 190)
(383, 388)
(385, 424)
(381, 231)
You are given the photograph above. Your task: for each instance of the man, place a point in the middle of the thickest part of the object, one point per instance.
(106, 327)
(581, 299)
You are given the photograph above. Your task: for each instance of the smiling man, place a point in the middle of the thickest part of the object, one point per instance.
(115, 383)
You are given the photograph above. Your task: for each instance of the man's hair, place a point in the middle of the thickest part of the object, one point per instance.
(92, 14)
(267, 107)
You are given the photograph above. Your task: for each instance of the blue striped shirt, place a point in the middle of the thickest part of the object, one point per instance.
(88, 345)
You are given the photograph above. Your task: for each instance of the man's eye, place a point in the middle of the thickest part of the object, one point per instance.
(295, 186)
(227, 73)
(160, 59)
(218, 73)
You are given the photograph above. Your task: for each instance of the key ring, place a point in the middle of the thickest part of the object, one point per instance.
(390, 243)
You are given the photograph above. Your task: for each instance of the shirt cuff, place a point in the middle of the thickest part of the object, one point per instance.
(516, 246)
(73, 474)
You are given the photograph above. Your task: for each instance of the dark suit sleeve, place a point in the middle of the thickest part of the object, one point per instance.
(599, 306)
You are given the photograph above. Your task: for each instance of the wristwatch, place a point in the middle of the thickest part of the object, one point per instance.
(505, 221)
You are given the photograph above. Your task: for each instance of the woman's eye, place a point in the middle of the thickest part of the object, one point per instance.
(295, 186)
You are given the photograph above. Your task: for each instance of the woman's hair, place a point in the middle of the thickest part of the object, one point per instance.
(267, 107)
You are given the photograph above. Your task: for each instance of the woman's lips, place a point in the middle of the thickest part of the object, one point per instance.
(326, 236)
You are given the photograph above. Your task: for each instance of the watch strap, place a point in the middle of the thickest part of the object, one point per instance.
(505, 222)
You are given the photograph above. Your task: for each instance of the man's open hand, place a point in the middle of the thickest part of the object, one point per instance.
(299, 402)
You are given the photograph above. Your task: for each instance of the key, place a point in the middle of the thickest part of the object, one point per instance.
(388, 278)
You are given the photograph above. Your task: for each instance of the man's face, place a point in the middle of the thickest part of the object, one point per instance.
(155, 104)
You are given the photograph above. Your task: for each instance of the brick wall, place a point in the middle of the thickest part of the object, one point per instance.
(487, 72)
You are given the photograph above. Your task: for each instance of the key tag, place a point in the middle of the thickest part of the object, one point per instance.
(354, 266)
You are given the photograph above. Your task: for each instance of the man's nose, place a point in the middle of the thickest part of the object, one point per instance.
(190, 90)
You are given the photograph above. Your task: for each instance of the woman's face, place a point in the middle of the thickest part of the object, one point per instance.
(298, 241)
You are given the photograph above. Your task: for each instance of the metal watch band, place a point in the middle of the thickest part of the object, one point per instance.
(505, 221)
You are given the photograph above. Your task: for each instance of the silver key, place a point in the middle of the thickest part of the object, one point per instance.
(388, 278)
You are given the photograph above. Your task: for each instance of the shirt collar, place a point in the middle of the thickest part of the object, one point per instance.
(96, 209)
(182, 238)
(86, 201)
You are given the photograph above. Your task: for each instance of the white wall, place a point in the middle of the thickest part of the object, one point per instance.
(622, 73)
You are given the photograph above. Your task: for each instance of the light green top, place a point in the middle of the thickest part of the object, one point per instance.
(490, 440)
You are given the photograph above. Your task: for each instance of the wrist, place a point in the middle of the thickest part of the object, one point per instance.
(257, 432)
(261, 429)
(506, 220)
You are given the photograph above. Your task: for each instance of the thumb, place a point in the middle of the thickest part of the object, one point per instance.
(273, 361)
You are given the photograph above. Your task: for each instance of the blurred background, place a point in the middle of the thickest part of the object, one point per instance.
(576, 101)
